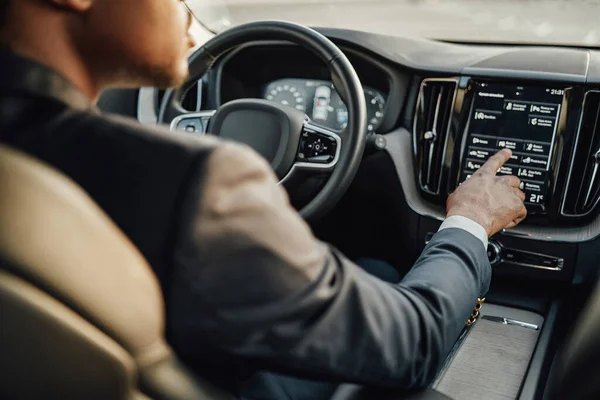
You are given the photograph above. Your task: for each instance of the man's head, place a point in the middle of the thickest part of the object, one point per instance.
(99, 43)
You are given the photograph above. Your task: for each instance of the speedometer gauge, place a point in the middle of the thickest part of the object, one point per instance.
(375, 107)
(319, 100)
(286, 94)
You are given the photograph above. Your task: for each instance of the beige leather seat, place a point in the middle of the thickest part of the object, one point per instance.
(81, 313)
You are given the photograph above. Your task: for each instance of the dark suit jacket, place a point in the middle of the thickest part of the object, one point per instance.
(245, 280)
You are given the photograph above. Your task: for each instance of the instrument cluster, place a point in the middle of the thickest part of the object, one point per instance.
(321, 102)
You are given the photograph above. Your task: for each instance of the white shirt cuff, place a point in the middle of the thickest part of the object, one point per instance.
(467, 224)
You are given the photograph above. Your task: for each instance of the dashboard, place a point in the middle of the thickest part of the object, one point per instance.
(440, 110)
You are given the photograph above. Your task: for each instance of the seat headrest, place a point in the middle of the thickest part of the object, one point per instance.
(55, 236)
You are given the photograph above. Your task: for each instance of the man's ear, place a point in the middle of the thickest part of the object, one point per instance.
(74, 5)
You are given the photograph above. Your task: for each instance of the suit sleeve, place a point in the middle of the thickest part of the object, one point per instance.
(252, 281)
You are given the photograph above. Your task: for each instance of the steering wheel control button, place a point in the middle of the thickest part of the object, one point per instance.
(317, 148)
(494, 252)
(191, 125)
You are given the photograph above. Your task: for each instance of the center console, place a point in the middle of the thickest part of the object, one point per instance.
(491, 357)
(522, 118)
(553, 130)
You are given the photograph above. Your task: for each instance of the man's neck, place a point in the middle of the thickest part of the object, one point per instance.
(49, 44)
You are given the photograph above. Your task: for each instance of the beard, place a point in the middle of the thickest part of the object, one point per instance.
(170, 76)
(163, 76)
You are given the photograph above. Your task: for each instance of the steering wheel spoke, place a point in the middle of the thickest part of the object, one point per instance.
(195, 123)
(319, 147)
(318, 151)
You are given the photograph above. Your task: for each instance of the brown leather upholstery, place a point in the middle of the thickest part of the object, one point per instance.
(82, 313)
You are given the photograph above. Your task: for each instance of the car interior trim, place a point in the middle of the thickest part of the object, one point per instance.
(450, 357)
(572, 162)
(523, 75)
(194, 115)
(146, 106)
(520, 264)
(450, 58)
(435, 120)
(510, 321)
(539, 364)
(484, 339)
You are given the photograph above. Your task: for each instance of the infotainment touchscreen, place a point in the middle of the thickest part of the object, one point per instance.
(521, 118)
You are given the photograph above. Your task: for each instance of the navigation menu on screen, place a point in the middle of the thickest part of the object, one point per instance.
(521, 118)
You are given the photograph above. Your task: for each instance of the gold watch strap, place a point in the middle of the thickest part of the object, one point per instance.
(475, 314)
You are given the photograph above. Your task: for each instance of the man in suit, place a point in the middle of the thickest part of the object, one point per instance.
(247, 285)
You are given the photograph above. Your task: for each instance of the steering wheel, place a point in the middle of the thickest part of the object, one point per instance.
(286, 137)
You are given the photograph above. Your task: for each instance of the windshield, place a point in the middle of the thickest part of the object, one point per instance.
(568, 22)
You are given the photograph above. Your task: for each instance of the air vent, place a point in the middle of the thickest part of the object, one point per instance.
(583, 184)
(431, 127)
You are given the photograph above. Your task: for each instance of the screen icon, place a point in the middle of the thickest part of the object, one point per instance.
(507, 144)
(483, 142)
(534, 161)
(505, 170)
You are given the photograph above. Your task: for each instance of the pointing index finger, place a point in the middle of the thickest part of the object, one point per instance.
(494, 163)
